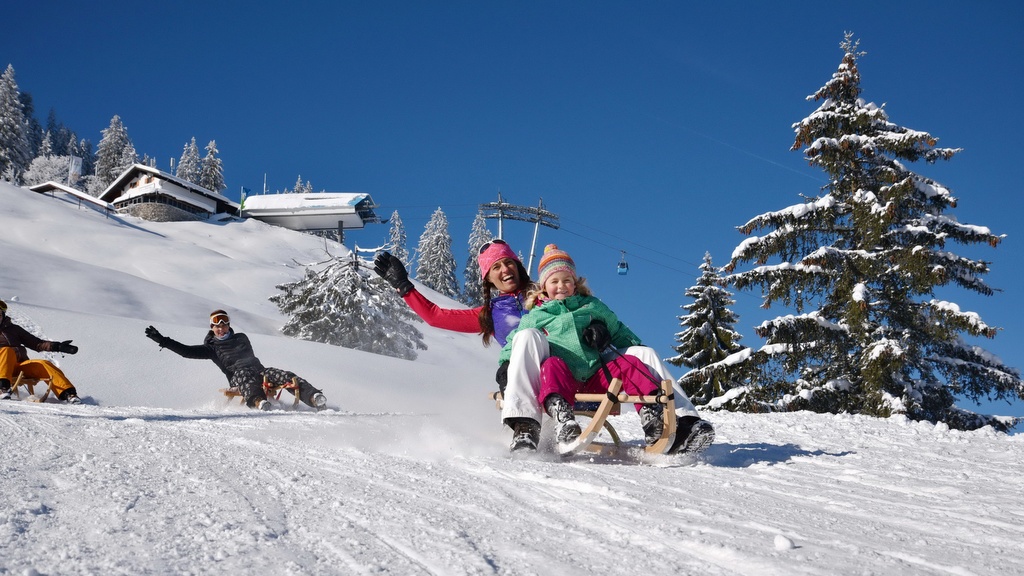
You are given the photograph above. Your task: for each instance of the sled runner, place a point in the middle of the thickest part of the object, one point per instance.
(272, 392)
(30, 384)
(598, 407)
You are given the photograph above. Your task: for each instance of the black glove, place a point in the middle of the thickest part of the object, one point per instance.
(391, 269)
(65, 347)
(154, 335)
(501, 377)
(597, 336)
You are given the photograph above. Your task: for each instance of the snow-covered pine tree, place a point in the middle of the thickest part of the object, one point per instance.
(211, 173)
(708, 337)
(190, 166)
(860, 264)
(45, 146)
(58, 135)
(343, 305)
(84, 151)
(435, 266)
(33, 129)
(397, 239)
(15, 147)
(87, 176)
(472, 292)
(301, 188)
(114, 155)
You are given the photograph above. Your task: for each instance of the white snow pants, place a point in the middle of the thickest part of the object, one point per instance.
(529, 350)
(648, 356)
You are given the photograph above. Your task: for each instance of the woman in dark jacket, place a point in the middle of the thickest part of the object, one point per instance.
(232, 353)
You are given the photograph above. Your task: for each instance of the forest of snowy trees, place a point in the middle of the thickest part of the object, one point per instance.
(855, 265)
(31, 153)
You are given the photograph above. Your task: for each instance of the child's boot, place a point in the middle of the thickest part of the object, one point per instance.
(652, 423)
(566, 427)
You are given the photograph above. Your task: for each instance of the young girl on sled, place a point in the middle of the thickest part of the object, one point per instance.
(579, 327)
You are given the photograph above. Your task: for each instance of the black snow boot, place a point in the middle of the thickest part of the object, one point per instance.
(693, 435)
(525, 434)
(566, 427)
(5, 389)
(652, 423)
(69, 396)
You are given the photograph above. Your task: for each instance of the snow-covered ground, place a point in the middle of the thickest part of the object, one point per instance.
(407, 472)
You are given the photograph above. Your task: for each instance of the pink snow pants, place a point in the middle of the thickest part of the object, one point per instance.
(556, 378)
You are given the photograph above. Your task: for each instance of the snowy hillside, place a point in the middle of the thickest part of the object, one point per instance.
(407, 472)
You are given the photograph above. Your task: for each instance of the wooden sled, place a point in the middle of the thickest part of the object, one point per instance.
(608, 404)
(580, 409)
(272, 392)
(30, 384)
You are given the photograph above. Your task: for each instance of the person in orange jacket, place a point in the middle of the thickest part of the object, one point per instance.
(14, 344)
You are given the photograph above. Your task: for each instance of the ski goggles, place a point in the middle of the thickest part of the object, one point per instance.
(491, 243)
(219, 320)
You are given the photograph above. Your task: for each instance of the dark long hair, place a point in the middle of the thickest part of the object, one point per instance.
(486, 287)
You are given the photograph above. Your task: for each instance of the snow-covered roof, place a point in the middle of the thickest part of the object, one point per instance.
(320, 200)
(116, 188)
(56, 186)
(312, 211)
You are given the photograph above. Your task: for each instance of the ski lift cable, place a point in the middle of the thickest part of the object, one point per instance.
(632, 254)
(628, 241)
(740, 293)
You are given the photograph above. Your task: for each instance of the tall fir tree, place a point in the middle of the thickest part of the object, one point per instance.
(435, 267)
(15, 146)
(472, 292)
(211, 174)
(59, 141)
(46, 146)
(114, 154)
(84, 151)
(708, 337)
(190, 165)
(342, 304)
(861, 264)
(397, 240)
(33, 129)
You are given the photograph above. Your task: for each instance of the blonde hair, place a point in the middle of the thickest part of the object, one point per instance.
(535, 292)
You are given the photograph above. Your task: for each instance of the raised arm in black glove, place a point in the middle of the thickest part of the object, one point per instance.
(597, 336)
(154, 335)
(391, 269)
(65, 347)
(501, 377)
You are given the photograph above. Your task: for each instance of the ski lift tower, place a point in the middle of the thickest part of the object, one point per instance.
(539, 216)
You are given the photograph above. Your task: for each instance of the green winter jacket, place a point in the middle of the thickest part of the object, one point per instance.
(563, 321)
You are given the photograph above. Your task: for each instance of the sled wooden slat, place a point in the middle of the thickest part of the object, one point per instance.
(615, 397)
(597, 421)
(30, 384)
(271, 391)
(231, 393)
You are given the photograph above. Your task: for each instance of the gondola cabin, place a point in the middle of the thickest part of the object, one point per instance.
(623, 267)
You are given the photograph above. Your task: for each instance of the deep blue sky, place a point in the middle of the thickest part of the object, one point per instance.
(651, 127)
